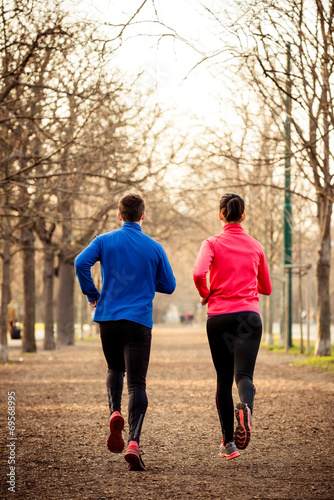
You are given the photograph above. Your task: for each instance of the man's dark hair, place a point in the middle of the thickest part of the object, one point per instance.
(232, 207)
(131, 207)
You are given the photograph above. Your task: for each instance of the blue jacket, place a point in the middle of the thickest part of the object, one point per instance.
(133, 268)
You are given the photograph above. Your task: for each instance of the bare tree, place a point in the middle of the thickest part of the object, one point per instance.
(308, 27)
(261, 32)
(27, 47)
(56, 104)
(5, 297)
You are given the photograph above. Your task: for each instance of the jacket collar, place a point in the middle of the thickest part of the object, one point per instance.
(232, 228)
(131, 225)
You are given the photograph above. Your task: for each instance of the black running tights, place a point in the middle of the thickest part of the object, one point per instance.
(126, 346)
(234, 341)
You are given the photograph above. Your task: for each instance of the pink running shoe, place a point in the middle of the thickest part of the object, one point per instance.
(229, 450)
(115, 441)
(242, 433)
(133, 456)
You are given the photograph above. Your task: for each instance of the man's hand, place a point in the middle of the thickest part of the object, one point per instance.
(93, 304)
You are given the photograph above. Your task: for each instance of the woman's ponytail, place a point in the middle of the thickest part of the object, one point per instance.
(232, 207)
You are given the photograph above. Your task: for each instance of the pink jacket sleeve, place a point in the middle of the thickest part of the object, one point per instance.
(201, 268)
(263, 277)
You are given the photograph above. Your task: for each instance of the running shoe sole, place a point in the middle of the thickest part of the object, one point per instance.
(235, 454)
(132, 456)
(115, 441)
(134, 461)
(242, 433)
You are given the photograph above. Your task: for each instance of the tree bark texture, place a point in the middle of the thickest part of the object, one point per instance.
(5, 297)
(29, 341)
(65, 320)
(49, 341)
(323, 343)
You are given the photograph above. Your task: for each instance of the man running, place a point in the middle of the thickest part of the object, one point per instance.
(133, 268)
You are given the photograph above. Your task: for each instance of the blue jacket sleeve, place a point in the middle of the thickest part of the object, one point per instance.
(165, 278)
(83, 263)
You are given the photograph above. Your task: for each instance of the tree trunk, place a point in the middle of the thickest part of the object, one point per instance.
(83, 313)
(269, 246)
(301, 312)
(65, 320)
(5, 297)
(49, 341)
(323, 343)
(269, 314)
(29, 342)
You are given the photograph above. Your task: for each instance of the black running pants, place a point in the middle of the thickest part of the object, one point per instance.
(126, 346)
(234, 341)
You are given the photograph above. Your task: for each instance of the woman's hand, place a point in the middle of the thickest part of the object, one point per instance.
(205, 301)
(93, 304)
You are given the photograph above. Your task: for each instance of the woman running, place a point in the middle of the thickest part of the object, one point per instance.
(238, 273)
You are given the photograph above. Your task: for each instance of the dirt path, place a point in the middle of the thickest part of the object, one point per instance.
(62, 427)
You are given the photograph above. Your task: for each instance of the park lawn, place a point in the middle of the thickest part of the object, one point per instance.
(324, 363)
(295, 349)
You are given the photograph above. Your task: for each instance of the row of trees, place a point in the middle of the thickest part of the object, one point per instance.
(74, 136)
(255, 38)
(263, 32)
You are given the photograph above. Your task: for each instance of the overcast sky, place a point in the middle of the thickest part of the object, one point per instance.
(168, 61)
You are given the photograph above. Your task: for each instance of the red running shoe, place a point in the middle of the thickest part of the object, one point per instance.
(242, 433)
(115, 441)
(133, 456)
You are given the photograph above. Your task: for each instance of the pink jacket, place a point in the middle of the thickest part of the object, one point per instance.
(238, 271)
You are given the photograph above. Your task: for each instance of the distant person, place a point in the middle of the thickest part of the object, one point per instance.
(238, 273)
(133, 268)
(12, 318)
